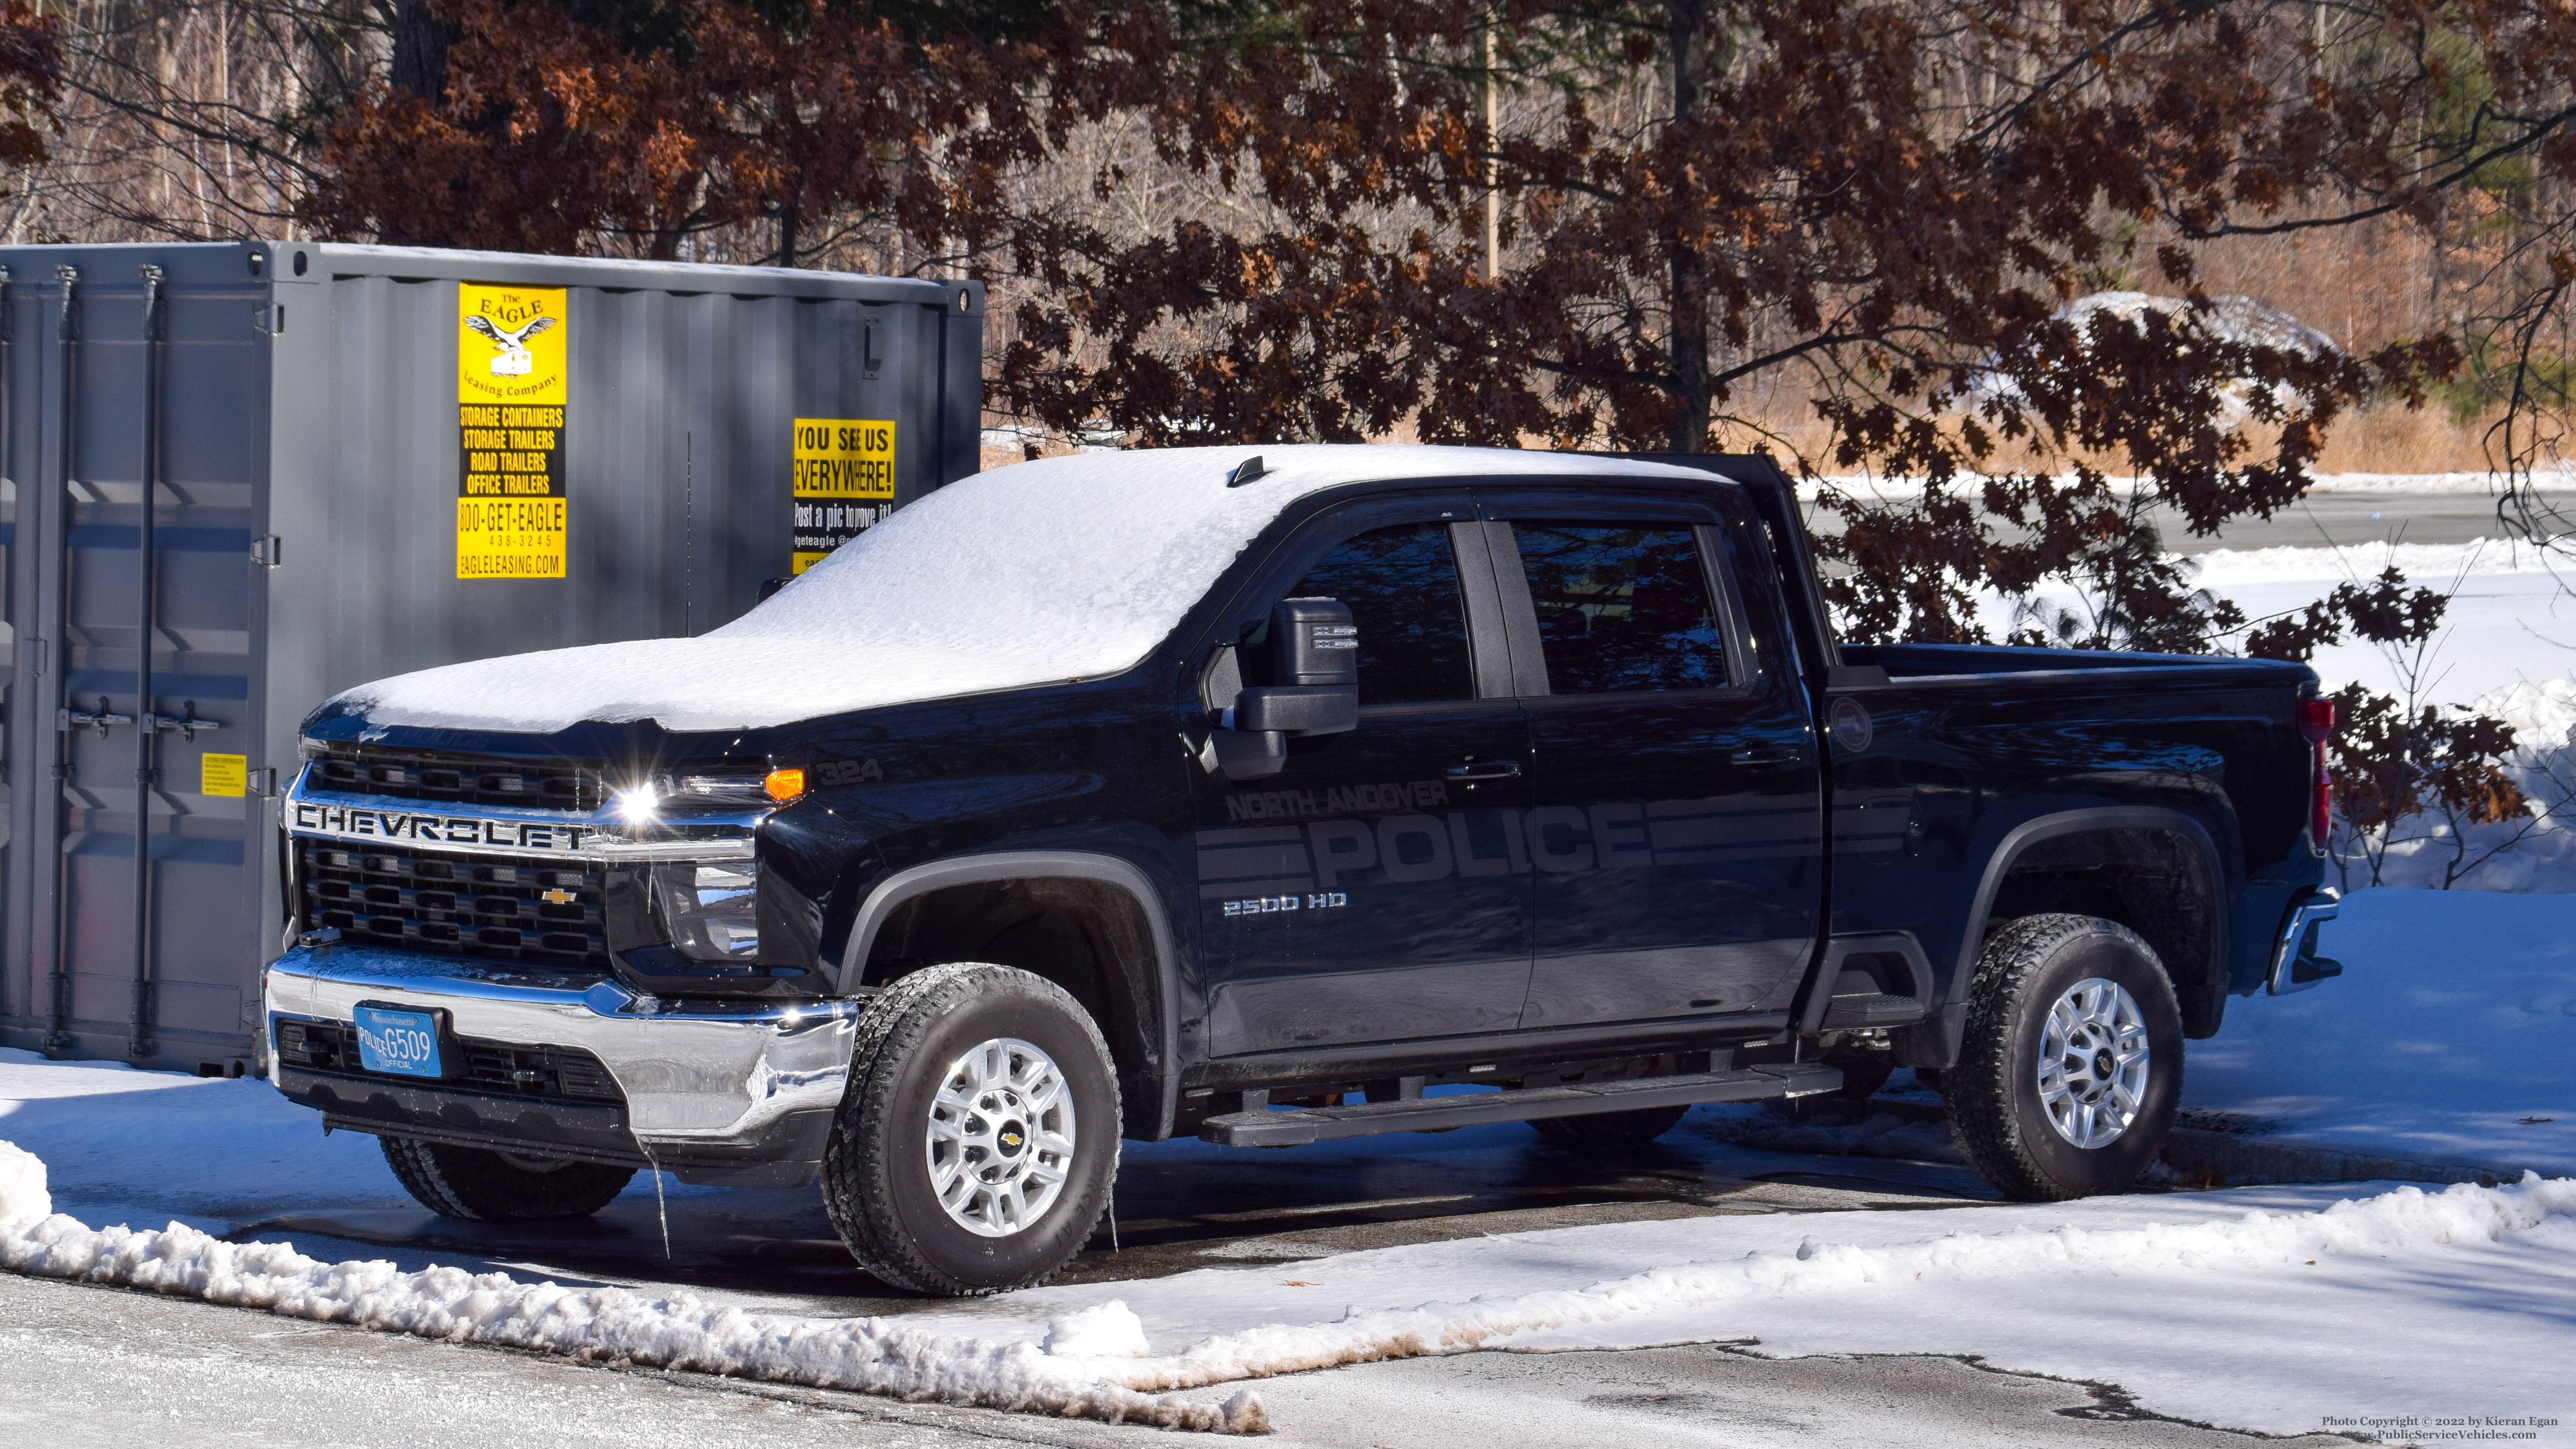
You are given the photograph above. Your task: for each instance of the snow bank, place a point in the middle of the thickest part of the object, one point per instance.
(1959, 1291)
(1065, 568)
(2426, 565)
(2405, 1222)
(870, 1355)
(23, 1199)
(2528, 854)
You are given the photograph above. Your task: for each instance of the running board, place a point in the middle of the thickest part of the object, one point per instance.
(1295, 1126)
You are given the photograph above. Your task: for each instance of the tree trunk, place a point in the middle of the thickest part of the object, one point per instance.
(420, 51)
(786, 234)
(1686, 31)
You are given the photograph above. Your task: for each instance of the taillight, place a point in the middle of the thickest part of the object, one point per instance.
(2316, 721)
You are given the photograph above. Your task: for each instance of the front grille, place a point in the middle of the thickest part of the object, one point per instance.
(457, 779)
(485, 1066)
(457, 905)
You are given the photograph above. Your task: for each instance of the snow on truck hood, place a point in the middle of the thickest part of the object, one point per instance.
(1065, 568)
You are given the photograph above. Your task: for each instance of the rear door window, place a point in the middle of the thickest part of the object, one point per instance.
(1621, 607)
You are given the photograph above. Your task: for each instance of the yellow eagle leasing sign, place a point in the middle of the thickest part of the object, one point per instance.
(512, 387)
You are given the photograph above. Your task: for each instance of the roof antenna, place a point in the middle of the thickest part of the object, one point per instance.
(1247, 471)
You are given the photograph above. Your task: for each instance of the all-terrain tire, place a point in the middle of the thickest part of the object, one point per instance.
(481, 1186)
(1608, 1131)
(1998, 1107)
(878, 1182)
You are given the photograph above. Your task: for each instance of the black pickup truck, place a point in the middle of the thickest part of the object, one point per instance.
(1271, 795)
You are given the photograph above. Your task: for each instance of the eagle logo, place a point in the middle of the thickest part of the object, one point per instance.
(511, 357)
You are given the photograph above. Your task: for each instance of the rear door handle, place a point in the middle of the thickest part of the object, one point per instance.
(1484, 770)
(1766, 755)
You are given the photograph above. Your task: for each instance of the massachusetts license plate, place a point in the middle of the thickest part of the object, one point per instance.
(404, 1043)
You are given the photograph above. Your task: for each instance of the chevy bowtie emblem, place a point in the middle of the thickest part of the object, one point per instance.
(1010, 1139)
(558, 896)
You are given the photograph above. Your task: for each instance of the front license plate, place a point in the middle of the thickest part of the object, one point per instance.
(403, 1043)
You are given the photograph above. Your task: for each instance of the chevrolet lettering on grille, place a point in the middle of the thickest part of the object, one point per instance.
(352, 823)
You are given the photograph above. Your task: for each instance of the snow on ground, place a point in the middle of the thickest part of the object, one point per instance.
(2450, 1039)
(2205, 1306)
(2211, 1307)
(2455, 1020)
(2452, 1023)
(153, 1146)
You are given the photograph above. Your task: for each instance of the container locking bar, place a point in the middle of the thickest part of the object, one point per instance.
(185, 722)
(147, 767)
(101, 721)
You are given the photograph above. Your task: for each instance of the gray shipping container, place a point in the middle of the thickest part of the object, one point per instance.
(330, 436)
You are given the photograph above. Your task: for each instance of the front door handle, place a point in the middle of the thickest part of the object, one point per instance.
(1484, 770)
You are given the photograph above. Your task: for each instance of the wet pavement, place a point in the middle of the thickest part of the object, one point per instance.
(1180, 1206)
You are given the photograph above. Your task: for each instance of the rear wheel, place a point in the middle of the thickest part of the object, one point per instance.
(2071, 1067)
(479, 1185)
(975, 1149)
(1609, 1130)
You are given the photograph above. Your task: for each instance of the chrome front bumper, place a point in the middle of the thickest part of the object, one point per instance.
(2296, 965)
(709, 1077)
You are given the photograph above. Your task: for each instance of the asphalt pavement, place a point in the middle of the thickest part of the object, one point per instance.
(99, 1368)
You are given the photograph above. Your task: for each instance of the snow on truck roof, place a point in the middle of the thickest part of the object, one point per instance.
(1064, 568)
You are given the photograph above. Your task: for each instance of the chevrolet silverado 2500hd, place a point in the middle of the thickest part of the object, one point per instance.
(1258, 794)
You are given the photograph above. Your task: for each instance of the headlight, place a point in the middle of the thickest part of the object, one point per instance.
(717, 790)
(711, 912)
(647, 799)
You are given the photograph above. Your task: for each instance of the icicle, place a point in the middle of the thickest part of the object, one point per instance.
(660, 1209)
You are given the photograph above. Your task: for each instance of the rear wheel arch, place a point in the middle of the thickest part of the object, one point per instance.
(2154, 869)
(1089, 922)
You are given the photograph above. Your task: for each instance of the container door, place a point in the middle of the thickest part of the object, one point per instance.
(145, 932)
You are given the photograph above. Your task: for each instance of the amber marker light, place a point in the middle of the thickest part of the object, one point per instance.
(785, 785)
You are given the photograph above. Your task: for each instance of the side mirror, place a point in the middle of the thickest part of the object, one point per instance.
(1314, 689)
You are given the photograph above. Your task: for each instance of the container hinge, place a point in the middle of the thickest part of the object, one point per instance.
(269, 321)
(185, 722)
(43, 650)
(262, 782)
(270, 550)
(101, 721)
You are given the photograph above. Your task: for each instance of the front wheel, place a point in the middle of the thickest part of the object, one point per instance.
(975, 1149)
(2071, 1067)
